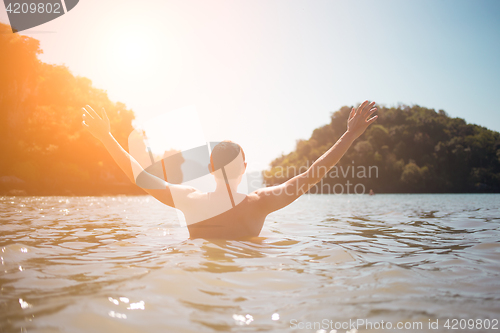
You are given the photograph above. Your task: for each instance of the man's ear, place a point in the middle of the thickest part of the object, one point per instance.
(245, 168)
(209, 166)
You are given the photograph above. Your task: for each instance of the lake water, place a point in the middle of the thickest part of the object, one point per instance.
(124, 264)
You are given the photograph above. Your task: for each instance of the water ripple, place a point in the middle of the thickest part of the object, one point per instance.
(124, 263)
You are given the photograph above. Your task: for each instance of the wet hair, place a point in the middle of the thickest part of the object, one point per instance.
(223, 154)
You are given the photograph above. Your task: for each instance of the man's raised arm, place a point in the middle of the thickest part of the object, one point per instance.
(99, 126)
(277, 197)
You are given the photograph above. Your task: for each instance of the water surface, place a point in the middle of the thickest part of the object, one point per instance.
(124, 264)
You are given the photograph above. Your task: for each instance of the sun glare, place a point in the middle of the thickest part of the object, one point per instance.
(131, 50)
(137, 59)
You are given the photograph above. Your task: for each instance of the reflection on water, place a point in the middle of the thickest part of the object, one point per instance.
(100, 264)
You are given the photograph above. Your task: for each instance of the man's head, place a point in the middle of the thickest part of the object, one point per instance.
(229, 155)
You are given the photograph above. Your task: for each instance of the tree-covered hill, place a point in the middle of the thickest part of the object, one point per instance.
(409, 149)
(44, 148)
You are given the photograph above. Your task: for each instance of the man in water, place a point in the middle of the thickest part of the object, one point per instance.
(225, 213)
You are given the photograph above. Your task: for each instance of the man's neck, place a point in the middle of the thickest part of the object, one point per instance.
(223, 187)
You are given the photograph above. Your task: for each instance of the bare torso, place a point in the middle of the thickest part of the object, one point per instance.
(225, 213)
(243, 220)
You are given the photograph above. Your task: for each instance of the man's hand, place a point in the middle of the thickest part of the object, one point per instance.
(276, 197)
(97, 125)
(358, 119)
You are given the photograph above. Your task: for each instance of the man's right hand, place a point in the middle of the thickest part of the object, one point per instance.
(358, 118)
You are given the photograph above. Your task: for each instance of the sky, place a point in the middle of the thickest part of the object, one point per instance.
(265, 73)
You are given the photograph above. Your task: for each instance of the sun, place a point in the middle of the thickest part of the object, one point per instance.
(130, 49)
(135, 57)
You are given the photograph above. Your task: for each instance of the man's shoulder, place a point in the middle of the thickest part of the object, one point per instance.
(267, 191)
(197, 194)
(253, 197)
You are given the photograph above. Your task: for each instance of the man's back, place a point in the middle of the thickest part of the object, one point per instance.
(243, 220)
(225, 213)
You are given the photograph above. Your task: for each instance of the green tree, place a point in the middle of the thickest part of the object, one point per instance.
(41, 138)
(415, 149)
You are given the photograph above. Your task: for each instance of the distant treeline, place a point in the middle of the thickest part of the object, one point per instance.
(44, 149)
(409, 149)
